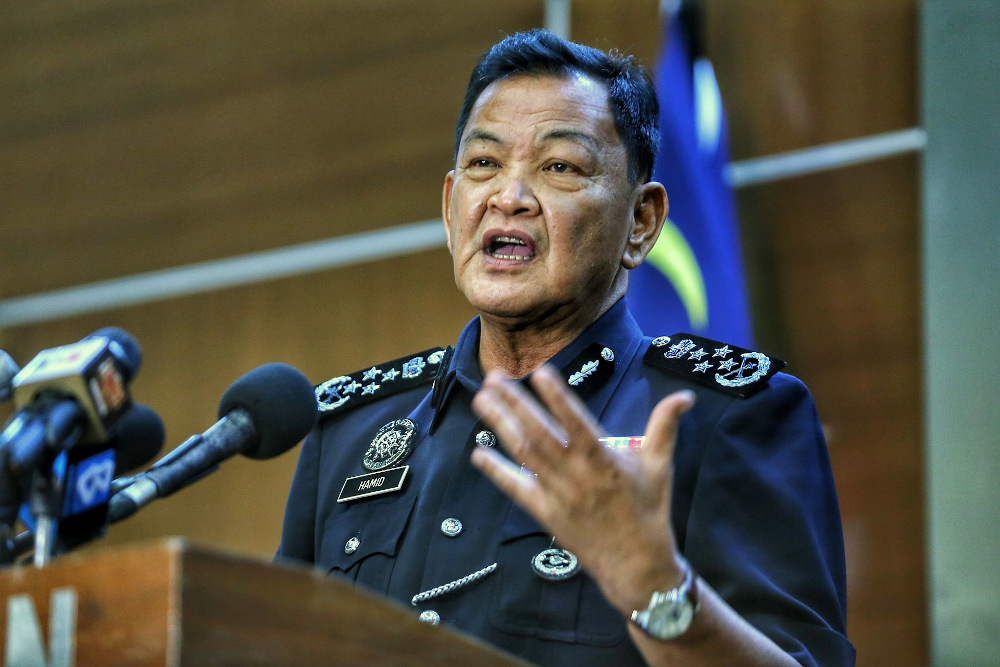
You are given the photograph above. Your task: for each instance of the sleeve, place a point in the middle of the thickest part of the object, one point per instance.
(764, 528)
(298, 532)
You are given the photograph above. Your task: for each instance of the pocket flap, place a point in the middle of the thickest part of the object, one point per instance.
(377, 527)
(519, 524)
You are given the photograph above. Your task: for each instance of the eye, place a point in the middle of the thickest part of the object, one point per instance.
(482, 163)
(559, 167)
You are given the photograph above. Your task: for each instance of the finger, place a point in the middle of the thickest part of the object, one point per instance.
(492, 409)
(567, 408)
(542, 439)
(522, 488)
(661, 429)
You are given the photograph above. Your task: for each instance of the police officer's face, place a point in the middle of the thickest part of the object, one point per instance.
(538, 210)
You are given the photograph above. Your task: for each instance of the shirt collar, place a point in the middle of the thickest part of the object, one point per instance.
(615, 334)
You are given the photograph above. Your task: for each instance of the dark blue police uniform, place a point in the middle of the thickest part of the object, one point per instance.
(754, 506)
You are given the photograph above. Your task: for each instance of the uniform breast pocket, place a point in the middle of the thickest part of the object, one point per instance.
(361, 542)
(570, 610)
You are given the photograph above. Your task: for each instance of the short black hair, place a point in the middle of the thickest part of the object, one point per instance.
(631, 95)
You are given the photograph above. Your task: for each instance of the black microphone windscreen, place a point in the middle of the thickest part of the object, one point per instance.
(131, 356)
(138, 438)
(281, 403)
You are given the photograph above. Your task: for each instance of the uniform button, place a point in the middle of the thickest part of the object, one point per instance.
(486, 439)
(352, 545)
(430, 616)
(451, 527)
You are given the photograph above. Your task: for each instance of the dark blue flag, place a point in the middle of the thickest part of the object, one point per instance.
(693, 278)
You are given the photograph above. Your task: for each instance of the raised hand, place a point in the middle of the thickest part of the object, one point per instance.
(610, 508)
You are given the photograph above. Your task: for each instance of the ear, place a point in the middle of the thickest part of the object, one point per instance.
(648, 214)
(449, 183)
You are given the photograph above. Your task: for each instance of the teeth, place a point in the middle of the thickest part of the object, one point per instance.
(507, 240)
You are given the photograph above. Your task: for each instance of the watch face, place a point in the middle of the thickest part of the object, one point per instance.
(670, 619)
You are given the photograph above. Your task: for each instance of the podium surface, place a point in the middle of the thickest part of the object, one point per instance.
(175, 603)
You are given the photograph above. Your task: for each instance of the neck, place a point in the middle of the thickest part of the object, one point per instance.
(518, 348)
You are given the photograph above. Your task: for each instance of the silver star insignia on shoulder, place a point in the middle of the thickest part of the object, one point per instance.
(698, 354)
(727, 364)
(342, 393)
(740, 372)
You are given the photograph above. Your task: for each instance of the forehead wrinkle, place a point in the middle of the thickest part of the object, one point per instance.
(497, 113)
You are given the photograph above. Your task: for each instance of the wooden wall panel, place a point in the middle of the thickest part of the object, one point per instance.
(225, 128)
(795, 74)
(833, 264)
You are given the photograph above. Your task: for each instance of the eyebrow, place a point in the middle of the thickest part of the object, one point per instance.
(573, 135)
(589, 143)
(478, 134)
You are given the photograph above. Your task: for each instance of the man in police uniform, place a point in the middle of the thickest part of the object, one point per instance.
(664, 500)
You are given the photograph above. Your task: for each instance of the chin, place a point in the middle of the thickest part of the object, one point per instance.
(503, 304)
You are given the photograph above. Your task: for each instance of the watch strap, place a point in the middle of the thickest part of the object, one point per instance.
(687, 592)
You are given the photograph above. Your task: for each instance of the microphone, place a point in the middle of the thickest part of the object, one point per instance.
(262, 414)
(92, 375)
(8, 369)
(58, 405)
(86, 476)
(138, 438)
(69, 400)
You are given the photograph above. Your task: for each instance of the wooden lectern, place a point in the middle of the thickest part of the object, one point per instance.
(174, 603)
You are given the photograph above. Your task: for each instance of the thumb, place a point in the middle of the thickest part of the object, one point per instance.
(661, 429)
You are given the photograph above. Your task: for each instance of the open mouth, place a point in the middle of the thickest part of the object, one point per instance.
(510, 247)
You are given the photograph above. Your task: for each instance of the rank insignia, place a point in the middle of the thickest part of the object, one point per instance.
(344, 392)
(390, 445)
(591, 369)
(555, 564)
(733, 370)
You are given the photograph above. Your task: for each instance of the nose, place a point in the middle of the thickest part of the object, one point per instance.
(515, 195)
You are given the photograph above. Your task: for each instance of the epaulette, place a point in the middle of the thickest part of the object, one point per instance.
(346, 392)
(733, 370)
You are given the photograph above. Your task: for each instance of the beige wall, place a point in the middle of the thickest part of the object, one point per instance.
(145, 135)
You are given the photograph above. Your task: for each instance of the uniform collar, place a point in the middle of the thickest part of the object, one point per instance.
(594, 362)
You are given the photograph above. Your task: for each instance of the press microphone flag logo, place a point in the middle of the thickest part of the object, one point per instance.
(89, 482)
(693, 278)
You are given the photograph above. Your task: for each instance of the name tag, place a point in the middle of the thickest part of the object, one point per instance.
(377, 483)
